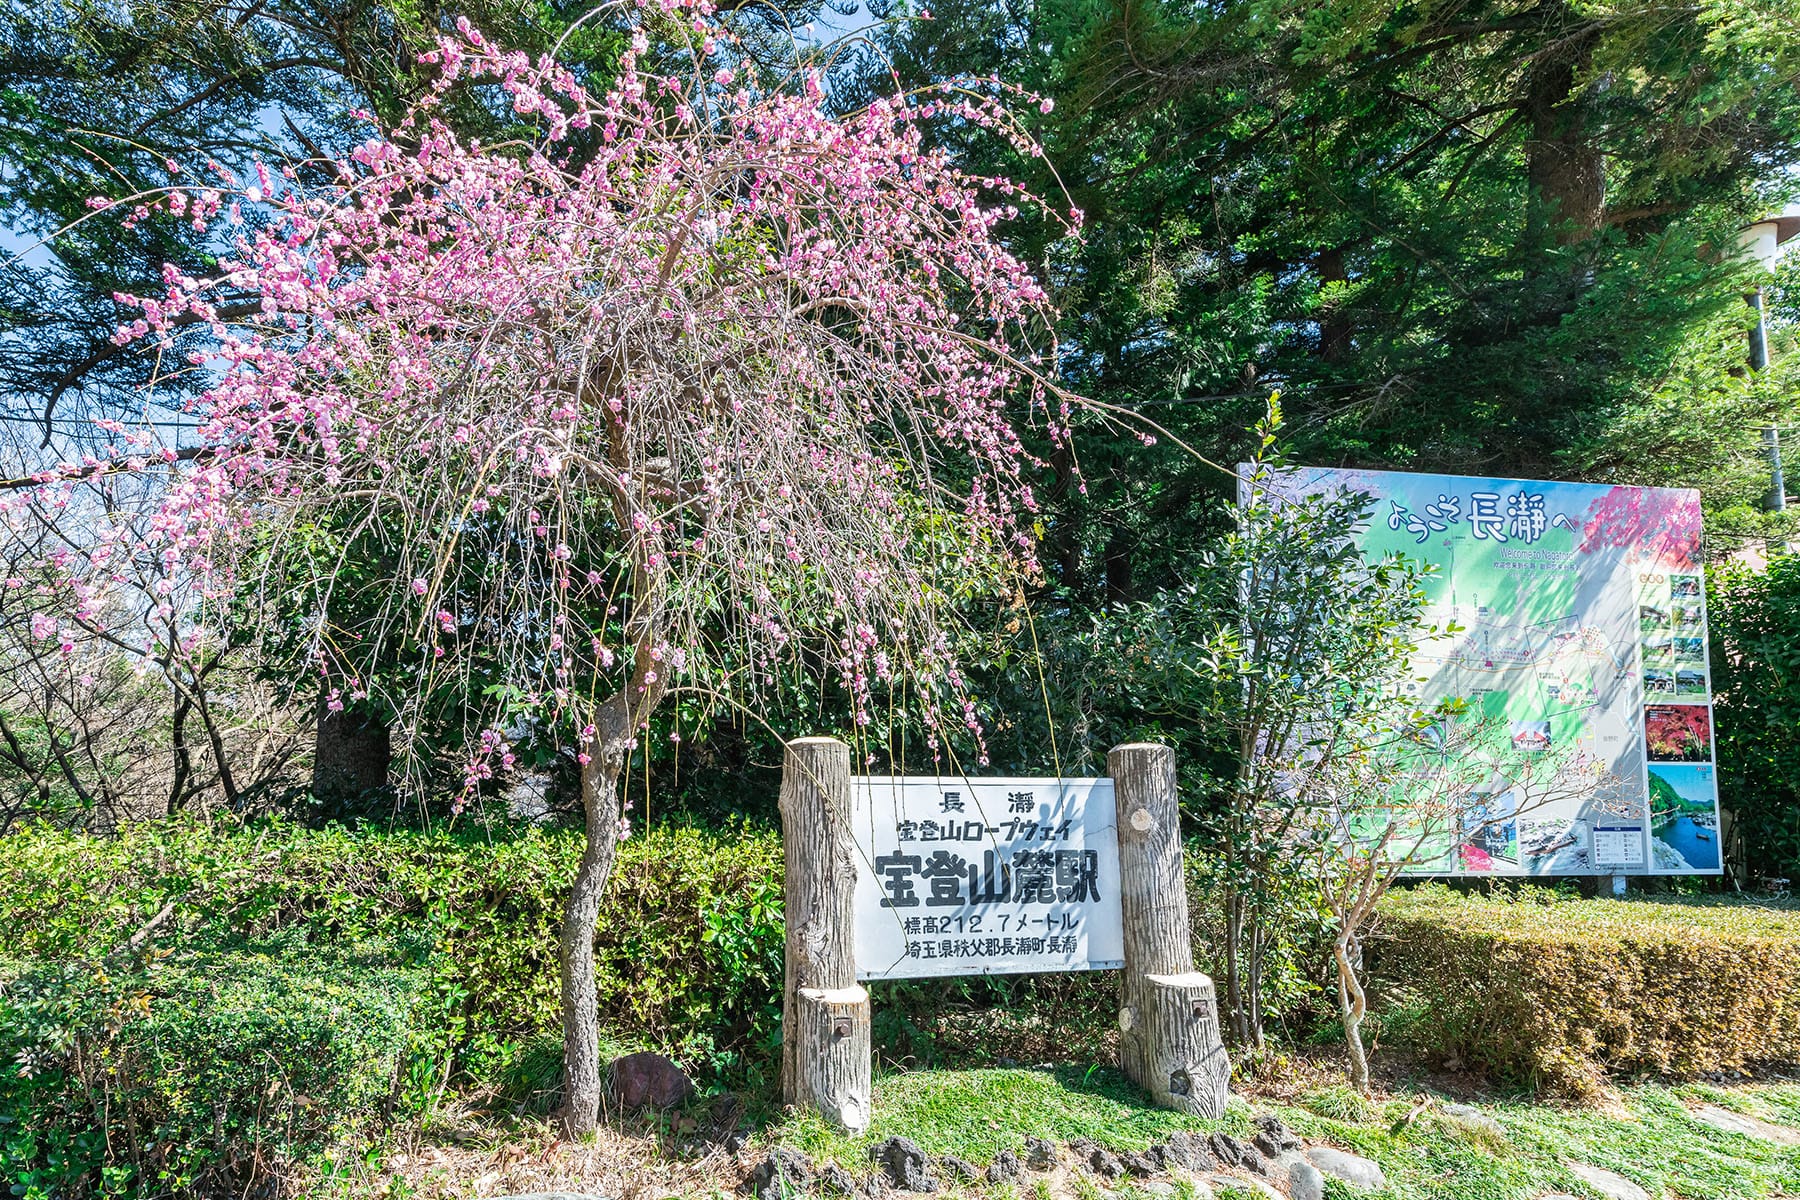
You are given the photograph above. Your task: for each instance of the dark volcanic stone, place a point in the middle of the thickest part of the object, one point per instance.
(834, 1180)
(1273, 1137)
(1005, 1167)
(1040, 1155)
(1187, 1150)
(1138, 1166)
(1098, 1159)
(959, 1168)
(905, 1164)
(648, 1080)
(782, 1173)
(1227, 1149)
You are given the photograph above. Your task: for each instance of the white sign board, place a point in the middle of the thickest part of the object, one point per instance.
(960, 876)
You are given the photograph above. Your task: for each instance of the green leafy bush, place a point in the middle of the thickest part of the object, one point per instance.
(689, 948)
(1556, 992)
(688, 953)
(203, 1075)
(1755, 617)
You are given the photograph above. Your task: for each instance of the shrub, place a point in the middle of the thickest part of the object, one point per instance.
(200, 1076)
(689, 949)
(1755, 617)
(1553, 992)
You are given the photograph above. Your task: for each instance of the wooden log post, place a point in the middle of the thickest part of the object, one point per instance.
(1169, 1042)
(825, 1045)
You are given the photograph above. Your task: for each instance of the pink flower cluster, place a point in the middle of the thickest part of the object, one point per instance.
(701, 381)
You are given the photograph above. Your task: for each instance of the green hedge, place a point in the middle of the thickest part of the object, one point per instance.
(1557, 992)
(688, 949)
(203, 1075)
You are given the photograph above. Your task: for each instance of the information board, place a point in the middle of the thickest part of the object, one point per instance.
(1579, 618)
(986, 876)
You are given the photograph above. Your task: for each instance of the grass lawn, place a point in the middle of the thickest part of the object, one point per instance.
(1647, 1134)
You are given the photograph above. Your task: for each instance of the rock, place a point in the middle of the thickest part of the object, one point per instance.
(1160, 1190)
(1227, 1149)
(1305, 1182)
(647, 1080)
(1750, 1127)
(1607, 1183)
(956, 1168)
(1138, 1166)
(1005, 1167)
(1104, 1164)
(1273, 1136)
(833, 1180)
(1353, 1169)
(1157, 1155)
(905, 1164)
(1251, 1159)
(1471, 1117)
(781, 1173)
(1040, 1155)
(1187, 1150)
(1241, 1183)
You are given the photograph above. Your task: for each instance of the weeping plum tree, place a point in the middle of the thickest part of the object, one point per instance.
(695, 386)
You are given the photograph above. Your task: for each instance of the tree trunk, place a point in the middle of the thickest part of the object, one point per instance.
(352, 754)
(575, 951)
(607, 753)
(1334, 322)
(184, 759)
(1234, 975)
(1352, 1006)
(1564, 169)
(1254, 1008)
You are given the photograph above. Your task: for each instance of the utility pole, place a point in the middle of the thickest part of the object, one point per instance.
(1760, 242)
(1777, 498)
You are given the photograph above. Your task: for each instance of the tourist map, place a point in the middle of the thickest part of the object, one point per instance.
(1573, 618)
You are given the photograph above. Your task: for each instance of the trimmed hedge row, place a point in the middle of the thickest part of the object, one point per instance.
(689, 940)
(201, 1077)
(688, 950)
(1555, 992)
(292, 990)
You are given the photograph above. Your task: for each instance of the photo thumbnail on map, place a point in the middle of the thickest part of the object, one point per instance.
(1684, 819)
(1678, 733)
(1531, 735)
(1554, 845)
(1490, 830)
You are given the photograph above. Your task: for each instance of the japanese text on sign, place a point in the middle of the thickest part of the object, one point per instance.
(985, 876)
